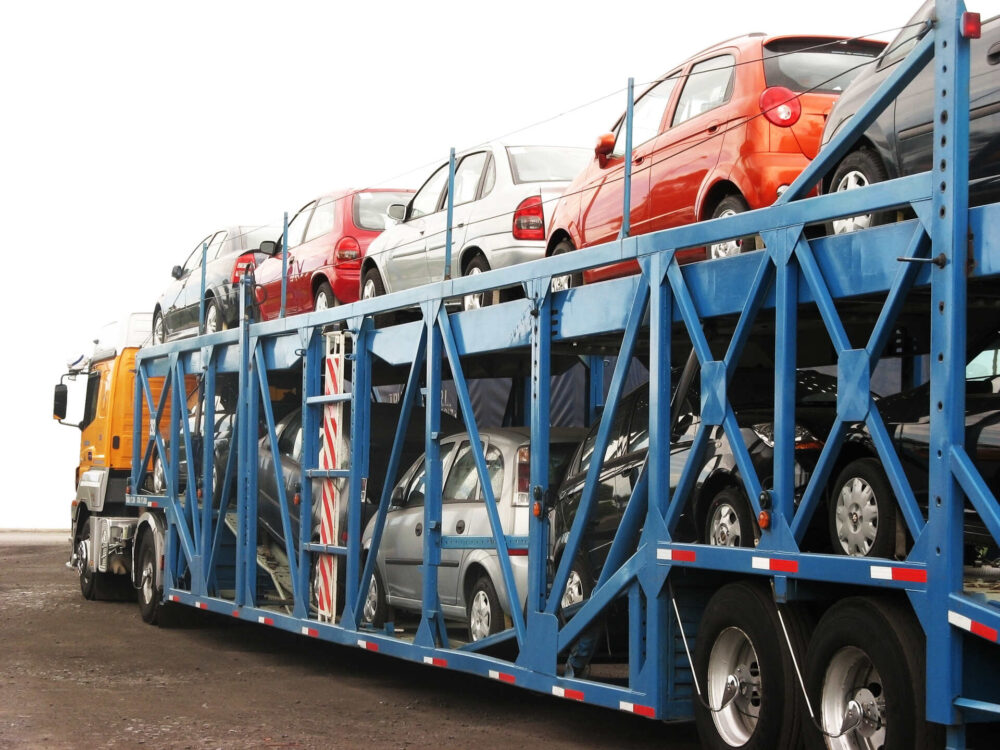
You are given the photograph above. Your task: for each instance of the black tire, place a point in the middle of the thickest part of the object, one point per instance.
(579, 585)
(730, 206)
(862, 511)
(376, 615)
(150, 596)
(740, 634)
(877, 646)
(484, 615)
(88, 578)
(858, 169)
(569, 281)
(159, 330)
(214, 319)
(729, 520)
(372, 286)
(474, 301)
(325, 296)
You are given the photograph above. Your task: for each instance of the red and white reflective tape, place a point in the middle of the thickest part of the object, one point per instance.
(634, 708)
(776, 564)
(435, 661)
(265, 620)
(573, 695)
(236, 613)
(328, 515)
(888, 573)
(153, 504)
(311, 632)
(368, 645)
(173, 598)
(502, 676)
(971, 626)
(201, 605)
(676, 555)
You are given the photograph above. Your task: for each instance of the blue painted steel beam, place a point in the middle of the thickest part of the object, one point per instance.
(361, 378)
(312, 375)
(627, 183)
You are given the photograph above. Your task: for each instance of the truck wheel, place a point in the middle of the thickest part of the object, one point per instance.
(862, 511)
(740, 642)
(485, 616)
(150, 595)
(867, 654)
(88, 577)
(729, 520)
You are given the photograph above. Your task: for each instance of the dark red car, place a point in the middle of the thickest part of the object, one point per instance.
(724, 132)
(327, 238)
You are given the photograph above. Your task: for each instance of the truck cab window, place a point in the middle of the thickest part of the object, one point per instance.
(93, 392)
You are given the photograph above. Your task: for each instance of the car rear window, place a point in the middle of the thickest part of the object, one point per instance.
(546, 164)
(370, 208)
(805, 64)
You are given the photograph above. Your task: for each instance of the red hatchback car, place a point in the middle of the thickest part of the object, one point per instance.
(327, 238)
(723, 133)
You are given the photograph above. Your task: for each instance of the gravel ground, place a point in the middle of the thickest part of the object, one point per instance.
(75, 674)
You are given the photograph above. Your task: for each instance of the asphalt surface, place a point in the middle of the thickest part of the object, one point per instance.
(76, 674)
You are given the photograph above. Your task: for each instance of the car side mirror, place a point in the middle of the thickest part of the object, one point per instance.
(268, 247)
(59, 402)
(397, 211)
(605, 145)
(177, 272)
(397, 496)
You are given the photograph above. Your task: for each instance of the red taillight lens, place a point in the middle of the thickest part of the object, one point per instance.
(972, 25)
(523, 475)
(529, 221)
(780, 106)
(244, 264)
(348, 249)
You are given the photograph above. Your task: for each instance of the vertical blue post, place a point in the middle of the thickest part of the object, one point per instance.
(660, 389)
(201, 299)
(451, 214)
(245, 432)
(360, 434)
(209, 470)
(595, 388)
(312, 371)
(949, 232)
(627, 208)
(431, 631)
(785, 335)
(284, 264)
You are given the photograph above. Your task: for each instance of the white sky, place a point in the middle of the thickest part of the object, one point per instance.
(131, 130)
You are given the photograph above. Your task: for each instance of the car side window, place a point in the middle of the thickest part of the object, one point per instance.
(291, 436)
(494, 467)
(490, 179)
(297, 226)
(708, 85)
(428, 198)
(647, 114)
(462, 481)
(638, 436)
(415, 492)
(322, 219)
(215, 248)
(194, 259)
(467, 176)
(615, 440)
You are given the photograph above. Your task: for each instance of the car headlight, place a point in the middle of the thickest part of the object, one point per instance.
(803, 438)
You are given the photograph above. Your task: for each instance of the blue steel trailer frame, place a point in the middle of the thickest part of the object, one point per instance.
(666, 308)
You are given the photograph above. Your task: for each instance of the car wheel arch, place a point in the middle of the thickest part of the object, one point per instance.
(469, 254)
(713, 484)
(864, 143)
(715, 194)
(317, 280)
(473, 572)
(558, 236)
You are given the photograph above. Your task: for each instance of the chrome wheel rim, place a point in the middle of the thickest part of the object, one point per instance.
(479, 616)
(851, 181)
(159, 478)
(851, 676)
(323, 302)
(574, 590)
(724, 527)
(212, 322)
(148, 576)
(728, 248)
(473, 301)
(371, 602)
(856, 517)
(562, 283)
(368, 291)
(81, 558)
(734, 654)
(157, 330)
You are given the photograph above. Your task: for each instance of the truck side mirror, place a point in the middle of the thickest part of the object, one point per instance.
(397, 211)
(177, 272)
(59, 402)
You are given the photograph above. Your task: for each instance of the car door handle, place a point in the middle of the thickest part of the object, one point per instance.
(419, 530)
(460, 527)
(639, 159)
(993, 56)
(713, 127)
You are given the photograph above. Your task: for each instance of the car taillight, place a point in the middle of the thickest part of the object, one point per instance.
(780, 106)
(244, 264)
(529, 221)
(348, 249)
(523, 476)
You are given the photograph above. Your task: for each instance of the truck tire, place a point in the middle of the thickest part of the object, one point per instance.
(870, 650)
(150, 595)
(94, 585)
(741, 635)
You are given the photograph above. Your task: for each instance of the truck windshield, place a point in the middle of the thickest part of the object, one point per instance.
(816, 65)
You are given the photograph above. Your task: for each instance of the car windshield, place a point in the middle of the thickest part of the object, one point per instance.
(253, 236)
(559, 456)
(370, 208)
(986, 364)
(816, 65)
(546, 164)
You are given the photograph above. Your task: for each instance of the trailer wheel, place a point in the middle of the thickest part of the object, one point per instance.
(150, 595)
(867, 655)
(485, 616)
(862, 511)
(376, 608)
(740, 642)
